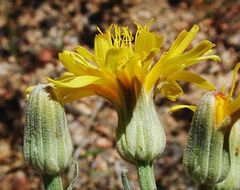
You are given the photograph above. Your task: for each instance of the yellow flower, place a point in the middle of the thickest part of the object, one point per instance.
(225, 106)
(123, 64)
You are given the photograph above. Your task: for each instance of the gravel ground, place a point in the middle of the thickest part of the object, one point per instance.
(33, 32)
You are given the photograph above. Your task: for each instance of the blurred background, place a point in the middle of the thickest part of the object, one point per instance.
(32, 32)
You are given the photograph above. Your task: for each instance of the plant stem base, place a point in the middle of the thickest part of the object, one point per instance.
(52, 182)
(146, 177)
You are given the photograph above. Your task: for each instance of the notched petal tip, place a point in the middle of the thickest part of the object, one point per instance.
(195, 28)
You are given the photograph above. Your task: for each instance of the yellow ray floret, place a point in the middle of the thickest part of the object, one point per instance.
(122, 64)
(231, 106)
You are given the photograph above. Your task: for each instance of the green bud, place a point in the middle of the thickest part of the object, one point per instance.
(140, 136)
(206, 157)
(47, 142)
(232, 182)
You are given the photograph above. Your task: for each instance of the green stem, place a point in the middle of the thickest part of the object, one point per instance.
(52, 182)
(146, 177)
(204, 187)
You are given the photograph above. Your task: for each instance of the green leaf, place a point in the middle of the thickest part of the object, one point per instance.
(75, 176)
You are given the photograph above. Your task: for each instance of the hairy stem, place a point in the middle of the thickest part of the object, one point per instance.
(52, 182)
(146, 177)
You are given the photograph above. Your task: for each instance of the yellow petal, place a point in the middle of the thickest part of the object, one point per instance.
(178, 63)
(178, 107)
(235, 71)
(74, 81)
(85, 53)
(73, 62)
(134, 68)
(102, 43)
(152, 54)
(192, 77)
(108, 92)
(29, 89)
(233, 107)
(148, 61)
(70, 94)
(137, 86)
(210, 57)
(197, 52)
(116, 57)
(137, 70)
(123, 76)
(167, 66)
(171, 90)
(180, 44)
(183, 41)
(145, 41)
(176, 43)
(202, 48)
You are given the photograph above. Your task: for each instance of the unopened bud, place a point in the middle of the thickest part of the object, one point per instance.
(207, 158)
(47, 141)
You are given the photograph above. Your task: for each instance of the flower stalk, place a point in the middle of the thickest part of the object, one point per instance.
(146, 176)
(52, 182)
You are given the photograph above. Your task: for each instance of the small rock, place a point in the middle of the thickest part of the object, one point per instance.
(104, 143)
(104, 130)
(46, 55)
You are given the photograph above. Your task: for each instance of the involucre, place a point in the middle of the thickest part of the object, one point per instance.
(47, 141)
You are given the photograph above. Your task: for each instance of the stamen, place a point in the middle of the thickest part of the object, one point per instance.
(146, 27)
(121, 37)
(139, 29)
(126, 37)
(142, 29)
(223, 87)
(116, 36)
(99, 30)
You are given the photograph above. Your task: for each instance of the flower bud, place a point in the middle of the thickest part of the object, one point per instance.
(47, 142)
(206, 157)
(232, 182)
(140, 136)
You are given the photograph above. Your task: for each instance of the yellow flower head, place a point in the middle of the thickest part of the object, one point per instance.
(123, 64)
(225, 106)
